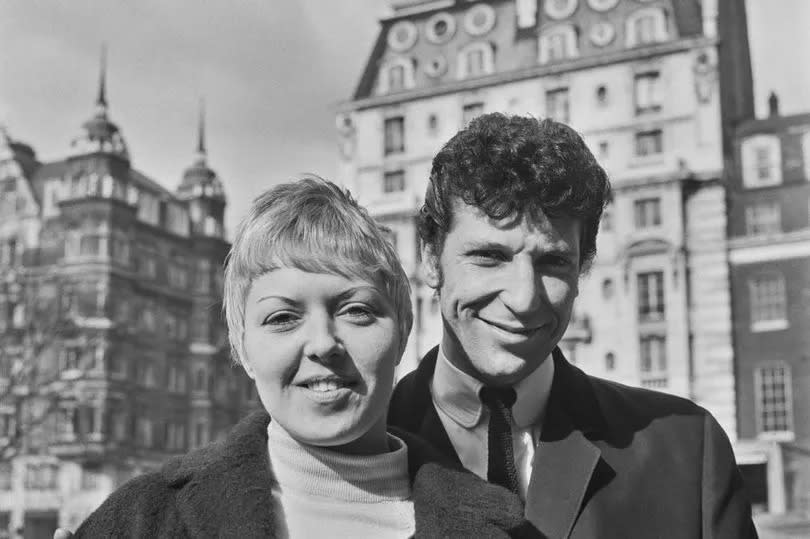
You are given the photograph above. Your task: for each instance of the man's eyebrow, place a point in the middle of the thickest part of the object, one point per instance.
(477, 245)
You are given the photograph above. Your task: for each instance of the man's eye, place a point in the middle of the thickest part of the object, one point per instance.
(488, 256)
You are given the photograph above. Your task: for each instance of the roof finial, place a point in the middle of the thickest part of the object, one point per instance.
(201, 151)
(101, 102)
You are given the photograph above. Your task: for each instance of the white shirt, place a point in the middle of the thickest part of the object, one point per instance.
(466, 420)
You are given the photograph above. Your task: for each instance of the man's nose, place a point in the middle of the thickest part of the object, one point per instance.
(322, 342)
(522, 294)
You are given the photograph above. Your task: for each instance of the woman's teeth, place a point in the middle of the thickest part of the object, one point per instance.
(325, 385)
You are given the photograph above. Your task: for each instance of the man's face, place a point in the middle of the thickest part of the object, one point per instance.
(506, 289)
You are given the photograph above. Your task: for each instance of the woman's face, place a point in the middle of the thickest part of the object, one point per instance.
(322, 350)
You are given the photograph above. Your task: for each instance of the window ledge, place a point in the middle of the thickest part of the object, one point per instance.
(640, 161)
(769, 325)
(777, 436)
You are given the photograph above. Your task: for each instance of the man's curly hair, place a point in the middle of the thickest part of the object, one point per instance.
(514, 165)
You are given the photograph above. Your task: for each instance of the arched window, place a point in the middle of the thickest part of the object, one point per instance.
(396, 75)
(610, 361)
(476, 60)
(558, 43)
(648, 25)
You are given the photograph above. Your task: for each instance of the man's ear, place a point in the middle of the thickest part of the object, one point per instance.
(430, 266)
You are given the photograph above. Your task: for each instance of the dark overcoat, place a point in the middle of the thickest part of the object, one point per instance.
(224, 490)
(612, 461)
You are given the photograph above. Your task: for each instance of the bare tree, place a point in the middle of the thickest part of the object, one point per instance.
(33, 327)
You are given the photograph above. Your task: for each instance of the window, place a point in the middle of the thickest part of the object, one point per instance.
(557, 104)
(200, 433)
(648, 92)
(471, 111)
(645, 26)
(5, 478)
(806, 154)
(202, 281)
(651, 296)
(647, 212)
(610, 361)
(394, 135)
(768, 302)
(773, 399)
(653, 364)
(558, 43)
(71, 359)
(8, 253)
(649, 143)
(394, 181)
(604, 149)
(761, 161)
(396, 78)
(144, 432)
(476, 60)
(763, 218)
(41, 475)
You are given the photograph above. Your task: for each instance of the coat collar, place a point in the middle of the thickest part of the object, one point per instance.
(224, 490)
(567, 466)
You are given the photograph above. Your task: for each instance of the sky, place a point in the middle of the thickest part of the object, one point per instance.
(271, 72)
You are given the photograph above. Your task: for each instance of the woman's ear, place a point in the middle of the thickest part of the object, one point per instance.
(430, 266)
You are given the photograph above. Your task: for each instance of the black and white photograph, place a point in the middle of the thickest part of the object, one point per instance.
(405, 268)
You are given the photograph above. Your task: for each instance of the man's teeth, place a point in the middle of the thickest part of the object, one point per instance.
(325, 385)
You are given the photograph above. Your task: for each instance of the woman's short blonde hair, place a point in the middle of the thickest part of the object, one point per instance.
(313, 225)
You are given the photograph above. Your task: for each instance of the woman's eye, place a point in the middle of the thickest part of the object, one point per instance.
(280, 320)
(359, 313)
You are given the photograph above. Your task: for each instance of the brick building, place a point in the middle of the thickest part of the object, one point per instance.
(769, 252)
(113, 351)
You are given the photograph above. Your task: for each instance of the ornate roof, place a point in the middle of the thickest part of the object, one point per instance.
(99, 133)
(199, 179)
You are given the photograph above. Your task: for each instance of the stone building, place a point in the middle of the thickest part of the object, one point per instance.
(769, 253)
(654, 86)
(113, 352)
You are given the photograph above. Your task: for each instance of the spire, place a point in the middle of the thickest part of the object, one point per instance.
(101, 102)
(201, 151)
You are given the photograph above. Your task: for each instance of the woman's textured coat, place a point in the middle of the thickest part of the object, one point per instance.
(224, 490)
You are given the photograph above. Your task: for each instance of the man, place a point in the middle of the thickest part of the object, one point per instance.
(508, 226)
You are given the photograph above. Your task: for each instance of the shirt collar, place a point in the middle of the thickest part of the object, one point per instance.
(456, 393)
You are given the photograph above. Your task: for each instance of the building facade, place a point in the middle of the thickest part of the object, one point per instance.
(655, 96)
(113, 351)
(769, 253)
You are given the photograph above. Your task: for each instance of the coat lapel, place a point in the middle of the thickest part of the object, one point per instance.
(565, 460)
(224, 490)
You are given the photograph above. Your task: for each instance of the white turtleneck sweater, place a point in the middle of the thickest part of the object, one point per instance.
(323, 493)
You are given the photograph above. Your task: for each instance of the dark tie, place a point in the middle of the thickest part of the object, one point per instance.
(501, 458)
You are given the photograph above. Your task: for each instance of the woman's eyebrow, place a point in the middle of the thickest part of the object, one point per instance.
(285, 299)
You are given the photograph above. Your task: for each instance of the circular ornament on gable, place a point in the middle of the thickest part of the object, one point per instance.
(559, 9)
(479, 19)
(436, 66)
(440, 28)
(402, 36)
(602, 5)
(602, 33)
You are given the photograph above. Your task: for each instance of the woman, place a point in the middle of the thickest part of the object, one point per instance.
(318, 311)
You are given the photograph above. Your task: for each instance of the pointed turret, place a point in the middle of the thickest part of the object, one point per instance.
(99, 134)
(202, 188)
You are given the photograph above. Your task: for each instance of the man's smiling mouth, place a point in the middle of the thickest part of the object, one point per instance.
(514, 330)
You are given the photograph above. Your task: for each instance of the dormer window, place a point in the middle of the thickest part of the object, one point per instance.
(761, 161)
(646, 26)
(476, 60)
(396, 75)
(558, 43)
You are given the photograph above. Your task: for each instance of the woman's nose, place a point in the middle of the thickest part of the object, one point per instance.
(322, 344)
